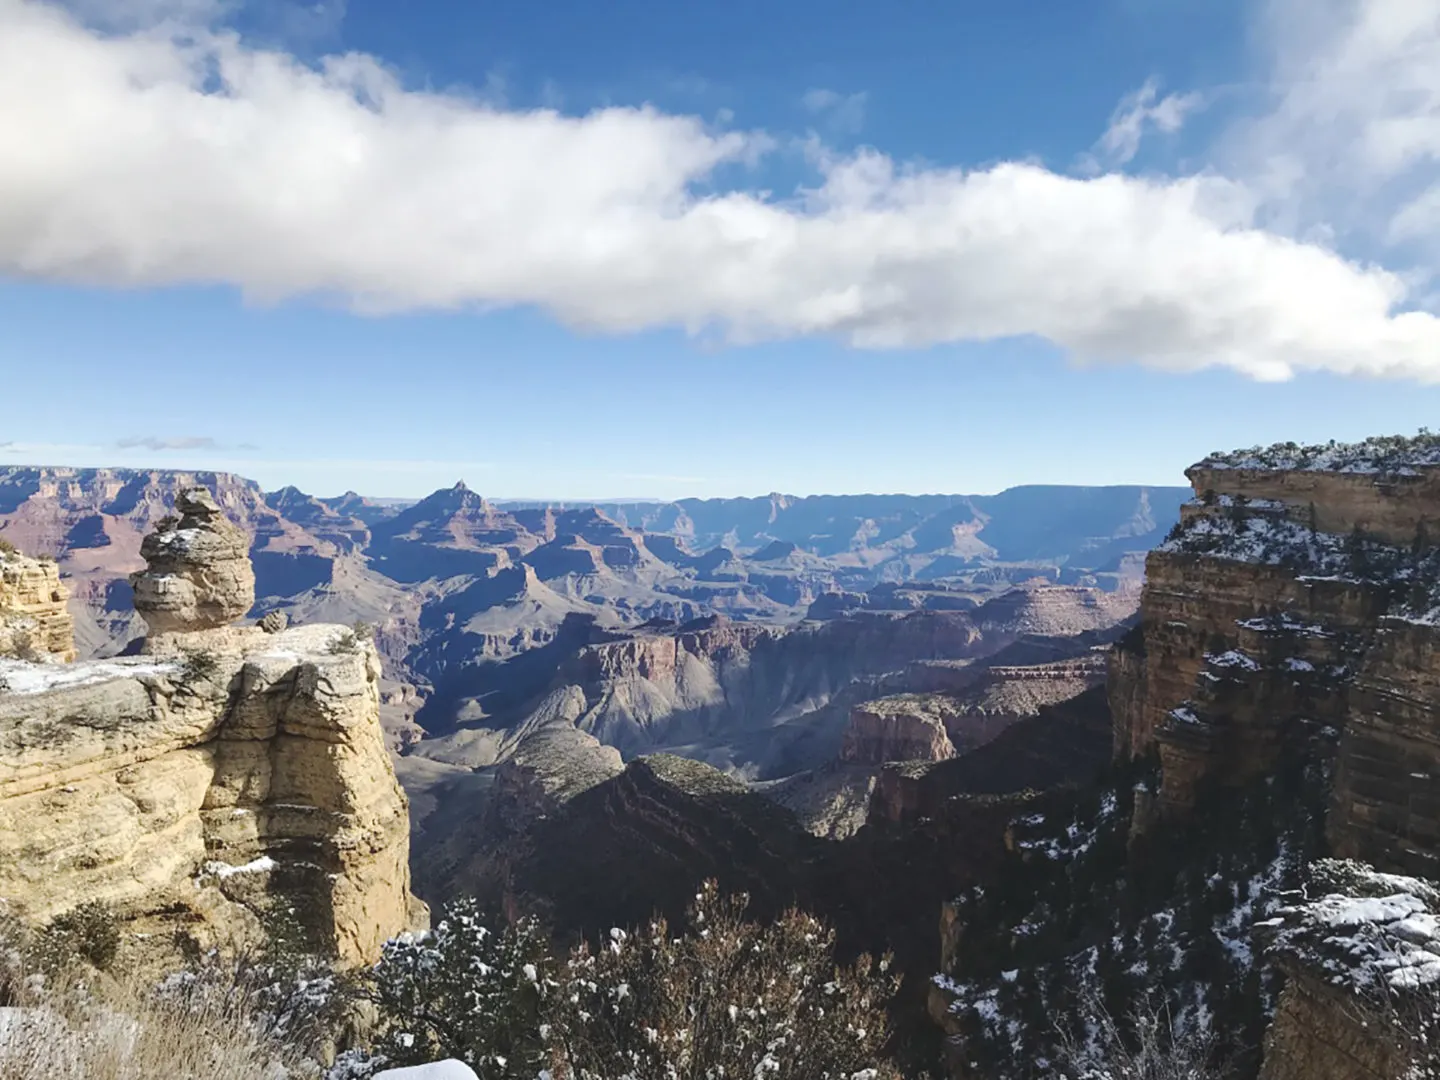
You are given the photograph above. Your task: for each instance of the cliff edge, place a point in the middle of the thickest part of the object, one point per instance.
(229, 773)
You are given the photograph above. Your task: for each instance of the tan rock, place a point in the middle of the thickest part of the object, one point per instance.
(33, 614)
(199, 575)
(905, 727)
(195, 789)
(191, 801)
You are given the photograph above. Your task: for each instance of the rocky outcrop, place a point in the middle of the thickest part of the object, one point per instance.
(198, 575)
(1361, 955)
(34, 620)
(1260, 624)
(905, 727)
(1060, 746)
(195, 789)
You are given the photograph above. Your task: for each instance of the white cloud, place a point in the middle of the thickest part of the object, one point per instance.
(1351, 135)
(841, 113)
(181, 442)
(121, 164)
(1142, 109)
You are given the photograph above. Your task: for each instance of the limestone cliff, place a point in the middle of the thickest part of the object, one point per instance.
(984, 702)
(1300, 590)
(195, 788)
(34, 620)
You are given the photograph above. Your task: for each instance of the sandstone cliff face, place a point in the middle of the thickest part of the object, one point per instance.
(33, 616)
(1297, 604)
(192, 789)
(1254, 626)
(906, 727)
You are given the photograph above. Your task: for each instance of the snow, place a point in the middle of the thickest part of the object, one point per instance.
(449, 1069)
(1232, 658)
(23, 677)
(1395, 454)
(1184, 715)
(1282, 624)
(1374, 930)
(262, 865)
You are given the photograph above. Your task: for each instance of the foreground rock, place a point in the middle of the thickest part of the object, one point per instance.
(1361, 955)
(201, 789)
(34, 620)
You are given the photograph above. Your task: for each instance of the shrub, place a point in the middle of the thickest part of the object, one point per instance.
(7, 548)
(22, 646)
(89, 932)
(352, 639)
(466, 992)
(725, 998)
(1147, 1046)
(199, 666)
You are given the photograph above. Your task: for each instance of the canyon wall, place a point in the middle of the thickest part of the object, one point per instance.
(228, 773)
(1297, 602)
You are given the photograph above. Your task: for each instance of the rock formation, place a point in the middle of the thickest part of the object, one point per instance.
(34, 619)
(199, 575)
(905, 727)
(195, 789)
(1299, 592)
(984, 700)
(1361, 955)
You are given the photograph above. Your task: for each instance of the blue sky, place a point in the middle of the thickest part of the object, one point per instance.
(854, 247)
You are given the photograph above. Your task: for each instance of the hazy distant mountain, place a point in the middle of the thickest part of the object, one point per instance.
(454, 581)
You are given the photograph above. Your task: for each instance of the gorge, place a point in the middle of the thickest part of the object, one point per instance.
(1213, 793)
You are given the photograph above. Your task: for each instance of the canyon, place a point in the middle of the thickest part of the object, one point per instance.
(1079, 784)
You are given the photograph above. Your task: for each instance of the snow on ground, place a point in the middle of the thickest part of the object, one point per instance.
(1374, 929)
(262, 865)
(23, 677)
(436, 1070)
(1399, 454)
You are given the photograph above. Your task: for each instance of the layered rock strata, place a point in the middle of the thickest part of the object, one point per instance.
(196, 790)
(1300, 591)
(34, 620)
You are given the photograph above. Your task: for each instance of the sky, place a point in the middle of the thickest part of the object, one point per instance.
(645, 250)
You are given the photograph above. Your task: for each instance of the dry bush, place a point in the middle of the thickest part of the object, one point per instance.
(261, 1017)
(1147, 1046)
(68, 1028)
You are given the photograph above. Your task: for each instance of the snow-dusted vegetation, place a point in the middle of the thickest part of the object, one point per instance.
(1395, 454)
(722, 997)
(1094, 948)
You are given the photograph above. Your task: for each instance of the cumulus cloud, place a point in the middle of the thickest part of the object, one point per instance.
(1142, 109)
(183, 442)
(155, 158)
